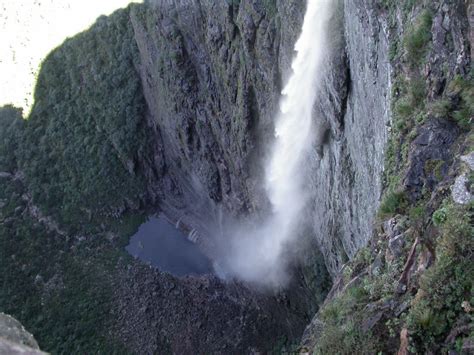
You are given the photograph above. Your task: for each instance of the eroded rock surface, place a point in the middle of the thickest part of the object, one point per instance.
(14, 339)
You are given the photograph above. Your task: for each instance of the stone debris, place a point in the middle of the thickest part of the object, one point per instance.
(460, 192)
(469, 160)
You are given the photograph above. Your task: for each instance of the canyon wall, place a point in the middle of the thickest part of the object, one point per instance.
(352, 117)
(212, 75)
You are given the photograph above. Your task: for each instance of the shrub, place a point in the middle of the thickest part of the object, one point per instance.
(448, 283)
(416, 213)
(403, 108)
(440, 108)
(464, 89)
(342, 333)
(410, 104)
(439, 217)
(418, 37)
(346, 339)
(393, 202)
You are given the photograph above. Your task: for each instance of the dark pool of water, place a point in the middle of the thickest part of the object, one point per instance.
(160, 244)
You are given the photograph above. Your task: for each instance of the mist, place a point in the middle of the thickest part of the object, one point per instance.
(258, 250)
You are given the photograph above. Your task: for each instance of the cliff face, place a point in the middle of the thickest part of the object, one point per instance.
(211, 74)
(155, 107)
(351, 126)
(170, 105)
(410, 289)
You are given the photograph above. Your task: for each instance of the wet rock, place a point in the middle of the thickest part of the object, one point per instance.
(355, 106)
(212, 74)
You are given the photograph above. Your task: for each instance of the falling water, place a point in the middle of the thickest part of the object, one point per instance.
(257, 253)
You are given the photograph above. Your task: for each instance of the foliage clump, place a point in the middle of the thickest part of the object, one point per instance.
(81, 142)
(463, 89)
(393, 202)
(418, 38)
(11, 126)
(342, 325)
(444, 287)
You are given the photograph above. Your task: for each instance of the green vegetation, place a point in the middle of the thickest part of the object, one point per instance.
(444, 292)
(80, 144)
(444, 287)
(342, 330)
(393, 202)
(76, 157)
(463, 89)
(439, 216)
(59, 288)
(418, 38)
(440, 108)
(429, 274)
(409, 104)
(11, 126)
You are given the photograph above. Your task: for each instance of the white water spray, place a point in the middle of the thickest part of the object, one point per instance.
(257, 254)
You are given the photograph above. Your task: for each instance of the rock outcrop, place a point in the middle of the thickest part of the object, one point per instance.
(14, 339)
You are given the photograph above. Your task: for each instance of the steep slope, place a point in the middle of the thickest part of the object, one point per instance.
(351, 128)
(86, 131)
(212, 74)
(169, 106)
(410, 289)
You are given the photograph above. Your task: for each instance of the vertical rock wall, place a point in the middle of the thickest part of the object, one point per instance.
(212, 73)
(351, 130)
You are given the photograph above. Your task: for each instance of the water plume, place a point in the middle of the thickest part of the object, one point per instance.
(257, 253)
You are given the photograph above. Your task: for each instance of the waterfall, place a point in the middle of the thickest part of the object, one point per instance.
(257, 254)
